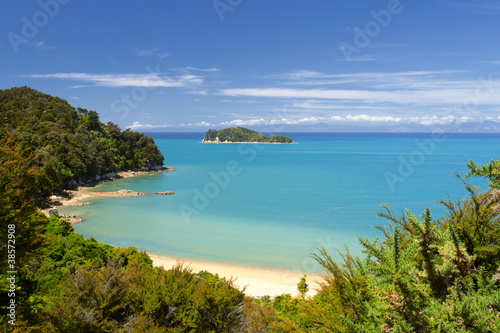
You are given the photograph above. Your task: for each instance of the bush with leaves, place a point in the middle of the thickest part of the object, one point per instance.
(477, 224)
(420, 278)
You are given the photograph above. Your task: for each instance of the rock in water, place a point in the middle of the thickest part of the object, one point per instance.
(165, 193)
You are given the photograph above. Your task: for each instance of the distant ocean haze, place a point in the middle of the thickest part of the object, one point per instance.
(271, 206)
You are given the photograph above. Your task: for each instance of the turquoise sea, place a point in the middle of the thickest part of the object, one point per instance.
(270, 206)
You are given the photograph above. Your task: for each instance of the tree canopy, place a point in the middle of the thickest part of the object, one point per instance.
(241, 134)
(71, 144)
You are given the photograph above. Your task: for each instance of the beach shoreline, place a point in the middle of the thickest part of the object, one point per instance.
(259, 282)
(80, 195)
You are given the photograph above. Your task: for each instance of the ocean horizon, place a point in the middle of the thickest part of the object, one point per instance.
(272, 206)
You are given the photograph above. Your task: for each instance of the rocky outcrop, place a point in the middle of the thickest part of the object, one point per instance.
(119, 194)
(71, 218)
(133, 173)
(53, 211)
(164, 193)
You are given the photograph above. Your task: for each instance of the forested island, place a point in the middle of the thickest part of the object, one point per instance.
(424, 274)
(242, 135)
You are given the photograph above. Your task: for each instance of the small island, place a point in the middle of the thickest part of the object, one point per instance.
(242, 135)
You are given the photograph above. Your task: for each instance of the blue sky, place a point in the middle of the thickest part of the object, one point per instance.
(323, 65)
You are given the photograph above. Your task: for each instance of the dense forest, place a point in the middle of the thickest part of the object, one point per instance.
(241, 134)
(423, 274)
(71, 144)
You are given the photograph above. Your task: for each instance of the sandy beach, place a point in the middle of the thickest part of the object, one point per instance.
(258, 282)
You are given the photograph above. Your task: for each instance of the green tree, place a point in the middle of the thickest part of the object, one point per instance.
(302, 286)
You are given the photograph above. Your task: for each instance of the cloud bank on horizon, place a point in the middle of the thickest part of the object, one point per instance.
(328, 66)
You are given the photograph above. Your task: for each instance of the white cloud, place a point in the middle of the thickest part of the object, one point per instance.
(364, 117)
(428, 96)
(126, 80)
(315, 105)
(213, 69)
(425, 120)
(156, 52)
(198, 92)
(443, 120)
(307, 74)
(247, 122)
(138, 126)
(376, 80)
(200, 124)
(357, 118)
(313, 120)
(489, 8)
(379, 94)
(195, 69)
(309, 120)
(434, 120)
(492, 62)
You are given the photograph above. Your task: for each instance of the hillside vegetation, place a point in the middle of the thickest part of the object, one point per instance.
(241, 134)
(71, 143)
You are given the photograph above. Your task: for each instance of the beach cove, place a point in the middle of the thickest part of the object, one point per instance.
(256, 282)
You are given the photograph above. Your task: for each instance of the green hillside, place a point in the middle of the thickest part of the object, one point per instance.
(72, 144)
(241, 134)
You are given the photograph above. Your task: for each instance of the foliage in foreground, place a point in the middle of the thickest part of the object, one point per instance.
(424, 275)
